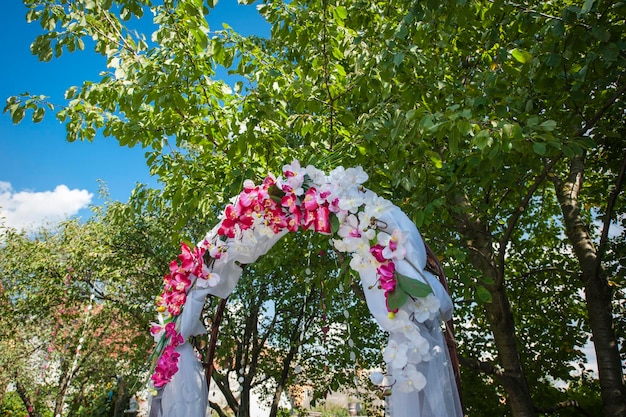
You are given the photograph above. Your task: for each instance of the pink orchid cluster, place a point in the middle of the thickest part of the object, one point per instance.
(167, 365)
(179, 280)
(170, 303)
(386, 273)
(279, 206)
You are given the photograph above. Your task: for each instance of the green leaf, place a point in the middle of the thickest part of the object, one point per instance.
(568, 151)
(337, 53)
(521, 55)
(396, 299)
(587, 6)
(398, 58)
(418, 219)
(483, 140)
(341, 12)
(548, 125)
(435, 159)
(532, 121)
(483, 295)
(38, 114)
(412, 287)
(334, 223)
(539, 148)
(17, 114)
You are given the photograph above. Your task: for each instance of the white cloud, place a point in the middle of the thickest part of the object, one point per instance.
(28, 209)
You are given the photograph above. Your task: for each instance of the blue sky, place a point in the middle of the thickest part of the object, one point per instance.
(42, 176)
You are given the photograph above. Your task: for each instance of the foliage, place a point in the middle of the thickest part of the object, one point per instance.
(12, 406)
(282, 326)
(498, 127)
(75, 309)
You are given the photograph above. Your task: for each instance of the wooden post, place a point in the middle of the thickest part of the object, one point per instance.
(215, 326)
(433, 264)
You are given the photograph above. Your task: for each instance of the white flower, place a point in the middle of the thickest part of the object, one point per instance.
(336, 175)
(351, 202)
(395, 354)
(219, 250)
(350, 227)
(394, 244)
(399, 322)
(317, 176)
(376, 207)
(211, 280)
(357, 245)
(248, 185)
(365, 268)
(262, 230)
(425, 308)
(355, 176)
(402, 323)
(419, 350)
(410, 379)
(340, 245)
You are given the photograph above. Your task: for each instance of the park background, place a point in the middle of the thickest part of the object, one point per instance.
(485, 121)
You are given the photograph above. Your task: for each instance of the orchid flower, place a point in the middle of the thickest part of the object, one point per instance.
(425, 308)
(410, 379)
(395, 354)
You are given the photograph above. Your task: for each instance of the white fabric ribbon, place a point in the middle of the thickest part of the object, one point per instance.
(186, 394)
(439, 398)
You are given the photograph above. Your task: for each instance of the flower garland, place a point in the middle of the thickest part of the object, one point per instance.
(305, 199)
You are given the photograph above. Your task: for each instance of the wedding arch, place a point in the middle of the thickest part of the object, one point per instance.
(385, 249)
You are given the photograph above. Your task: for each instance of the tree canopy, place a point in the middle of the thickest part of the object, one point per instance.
(497, 126)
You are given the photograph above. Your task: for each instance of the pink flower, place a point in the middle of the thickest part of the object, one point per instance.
(227, 227)
(175, 303)
(178, 281)
(334, 206)
(276, 220)
(248, 197)
(186, 257)
(166, 367)
(310, 199)
(170, 329)
(308, 219)
(269, 181)
(293, 223)
(289, 201)
(155, 329)
(386, 276)
(377, 252)
(322, 221)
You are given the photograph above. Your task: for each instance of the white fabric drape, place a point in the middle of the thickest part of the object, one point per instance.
(186, 394)
(440, 397)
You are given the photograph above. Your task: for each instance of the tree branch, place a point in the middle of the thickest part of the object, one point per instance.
(218, 409)
(486, 367)
(518, 213)
(564, 404)
(592, 122)
(609, 214)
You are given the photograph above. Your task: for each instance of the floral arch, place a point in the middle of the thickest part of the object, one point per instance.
(386, 250)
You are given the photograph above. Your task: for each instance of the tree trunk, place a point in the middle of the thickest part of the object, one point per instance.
(28, 402)
(597, 293)
(478, 239)
(512, 378)
(281, 384)
(64, 379)
(122, 398)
